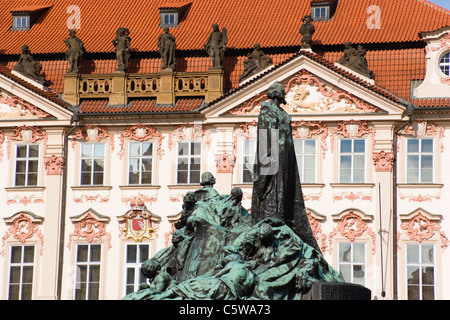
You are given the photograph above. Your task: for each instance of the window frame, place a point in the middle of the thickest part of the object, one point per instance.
(89, 264)
(136, 266)
(352, 154)
(445, 64)
(93, 158)
(189, 157)
(22, 18)
(21, 264)
(169, 13)
(140, 158)
(320, 16)
(27, 161)
(245, 156)
(420, 266)
(353, 263)
(303, 154)
(419, 154)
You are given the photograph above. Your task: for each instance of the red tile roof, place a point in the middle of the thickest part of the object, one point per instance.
(247, 23)
(95, 106)
(31, 8)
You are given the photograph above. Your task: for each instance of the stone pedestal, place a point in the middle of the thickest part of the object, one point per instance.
(215, 84)
(322, 290)
(71, 83)
(118, 89)
(166, 88)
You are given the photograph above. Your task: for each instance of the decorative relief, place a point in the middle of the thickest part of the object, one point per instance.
(27, 134)
(306, 94)
(13, 107)
(92, 133)
(146, 199)
(352, 196)
(351, 225)
(189, 131)
(54, 165)
(25, 200)
(422, 128)
(23, 226)
(225, 162)
(91, 198)
(91, 227)
(352, 128)
(138, 221)
(383, 161)
(420, 226)
(315, 221)
(248, 130)
(141, 132)
(307, 129)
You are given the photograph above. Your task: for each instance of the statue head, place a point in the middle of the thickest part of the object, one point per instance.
(266, 234)
(166, 29)
(215, 27)
(190, 198)
(72, 33)
(276, 91)
(25, 49)
(236, 193)
(207, 179)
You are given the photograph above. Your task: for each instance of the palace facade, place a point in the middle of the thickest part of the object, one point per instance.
(98, 147)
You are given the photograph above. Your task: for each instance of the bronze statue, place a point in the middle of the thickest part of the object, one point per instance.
(277, 191)
(256, 62)
(355, 59)
(307, 30)
(166, 45)
(216, 46)
(122, 45)
(28, 67)
(75, 51)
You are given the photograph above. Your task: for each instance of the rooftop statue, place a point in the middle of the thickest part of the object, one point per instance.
(122, 46)
(75, 52)
(307, 30)
(28, 67)
(220, 251)
(166, 45)
(216, 45)
(355, 59)
(256, 62)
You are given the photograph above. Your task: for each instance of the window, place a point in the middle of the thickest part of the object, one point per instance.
(419, 161)
(92, 163)
(444, 64)
(352, 262)
(188, 162)
(352, 161)
(305, 151)
(21, 271)
(248, 160)
(420, 271)
(140, 163)
(21, 22)
(27, 163)
(169, 19)
(88, 262)
(136, 254)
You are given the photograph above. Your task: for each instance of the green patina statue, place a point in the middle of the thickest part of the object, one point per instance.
(220, 251)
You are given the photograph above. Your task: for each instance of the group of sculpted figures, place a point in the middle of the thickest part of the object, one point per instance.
(221, 251)
(215, 46)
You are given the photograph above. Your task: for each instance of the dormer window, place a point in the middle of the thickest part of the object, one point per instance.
(21, 22)
(172, 13)
(23, 18)
(322, 10)
(169, 19)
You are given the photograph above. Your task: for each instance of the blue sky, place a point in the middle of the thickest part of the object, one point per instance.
(443, 3)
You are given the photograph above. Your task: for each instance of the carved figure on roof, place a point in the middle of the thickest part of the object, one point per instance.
(256, 62)
(122, 45)
(216, 46)
(307, 30)
(355, 59)
(167, 45)
(75, 51)
(28, 67)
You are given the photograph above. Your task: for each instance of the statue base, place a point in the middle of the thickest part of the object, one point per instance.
(323, 290)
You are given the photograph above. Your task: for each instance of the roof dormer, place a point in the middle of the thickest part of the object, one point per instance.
(24, 17)
(172, 13)
(323, 9)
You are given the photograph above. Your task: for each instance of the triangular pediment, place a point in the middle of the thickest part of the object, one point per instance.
(312, 89)
(18, 103)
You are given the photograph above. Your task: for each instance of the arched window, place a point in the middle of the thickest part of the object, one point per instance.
(444, 64)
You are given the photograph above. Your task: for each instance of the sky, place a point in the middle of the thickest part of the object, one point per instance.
(443, 3)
